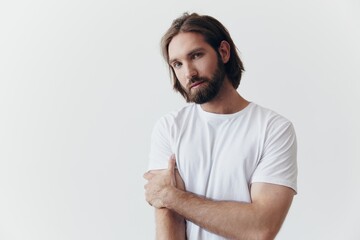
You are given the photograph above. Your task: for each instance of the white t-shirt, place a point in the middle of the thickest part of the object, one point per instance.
(219, 156)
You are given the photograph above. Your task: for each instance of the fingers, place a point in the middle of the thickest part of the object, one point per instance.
(147, 175)
(160, 181)
(151, 173)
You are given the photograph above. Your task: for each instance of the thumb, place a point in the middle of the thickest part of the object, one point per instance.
(171, 169)
(172, 163)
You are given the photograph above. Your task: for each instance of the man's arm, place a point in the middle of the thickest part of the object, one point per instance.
(169, 224)
(260, 219)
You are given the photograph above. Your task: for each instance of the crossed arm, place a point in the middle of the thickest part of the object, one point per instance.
(260, 219)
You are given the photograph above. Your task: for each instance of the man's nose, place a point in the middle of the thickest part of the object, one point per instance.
(190, 71)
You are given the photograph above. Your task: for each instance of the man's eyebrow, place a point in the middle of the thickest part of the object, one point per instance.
(194, 51)
(188, 54)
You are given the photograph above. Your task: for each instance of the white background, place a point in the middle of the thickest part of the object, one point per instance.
(83, 82)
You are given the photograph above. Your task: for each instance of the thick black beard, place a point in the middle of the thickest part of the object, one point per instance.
(209, 92)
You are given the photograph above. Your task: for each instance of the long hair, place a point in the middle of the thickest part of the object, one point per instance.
(214, 33)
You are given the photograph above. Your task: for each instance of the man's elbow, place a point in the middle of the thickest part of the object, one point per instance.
(268, 233)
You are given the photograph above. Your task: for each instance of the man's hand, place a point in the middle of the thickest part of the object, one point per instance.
(161, 183)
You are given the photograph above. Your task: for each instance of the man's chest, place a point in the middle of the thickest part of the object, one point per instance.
(210, 158)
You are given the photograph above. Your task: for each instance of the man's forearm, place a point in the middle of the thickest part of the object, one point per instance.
(222, 218)
(233, 220)
(169, 225)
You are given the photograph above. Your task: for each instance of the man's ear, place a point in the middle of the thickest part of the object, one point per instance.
(224, 50)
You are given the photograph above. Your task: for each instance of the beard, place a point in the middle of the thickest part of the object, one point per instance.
(211, 86)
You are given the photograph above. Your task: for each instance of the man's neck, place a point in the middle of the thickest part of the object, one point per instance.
(227, 101)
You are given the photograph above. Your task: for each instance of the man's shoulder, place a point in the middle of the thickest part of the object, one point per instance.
(179, 113)
(268, 114)
(176, 116)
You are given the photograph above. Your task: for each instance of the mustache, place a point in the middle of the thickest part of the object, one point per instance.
(196, 79)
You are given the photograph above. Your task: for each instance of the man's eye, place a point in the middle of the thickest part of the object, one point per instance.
(176, 65)
(197, 55)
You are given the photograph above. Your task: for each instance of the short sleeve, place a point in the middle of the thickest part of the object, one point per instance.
(160, 146)
(278, 163)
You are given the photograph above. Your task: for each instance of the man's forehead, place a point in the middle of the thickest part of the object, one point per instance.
(184, 43)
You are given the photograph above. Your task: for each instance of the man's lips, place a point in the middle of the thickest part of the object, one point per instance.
(196, 84)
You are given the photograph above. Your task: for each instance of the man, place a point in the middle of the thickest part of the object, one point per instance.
(221, 167)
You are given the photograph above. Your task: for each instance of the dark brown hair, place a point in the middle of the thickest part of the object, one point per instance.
(214, 33)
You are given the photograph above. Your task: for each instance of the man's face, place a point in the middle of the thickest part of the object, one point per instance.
(197, 66)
